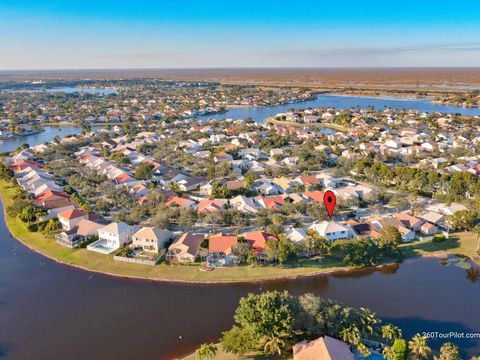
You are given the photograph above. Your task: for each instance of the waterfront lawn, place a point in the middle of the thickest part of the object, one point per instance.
(462, 243)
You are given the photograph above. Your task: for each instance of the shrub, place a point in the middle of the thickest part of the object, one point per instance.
(439, 238)
(32, 227)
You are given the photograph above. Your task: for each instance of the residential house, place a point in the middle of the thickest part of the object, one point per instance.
(258, 241)
(220, 249)
(315, 195)
(112, 236)
(310, 182)
(286, 184)
(324, 348)
(364, 229)
(151, 239)
(244, 204)
(83, 231)
(71, 217)
(183, 202)
(291, 160)
(210, 205)
(434, 218)
(265, 187)
(185, 248)
(333, 231)
(382, 223)
(270, 202)
(191, 183)
(297, 235)
(410, 222)
(51, 199)
(428, 229)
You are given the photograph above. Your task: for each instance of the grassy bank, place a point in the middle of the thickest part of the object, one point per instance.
(463, 244)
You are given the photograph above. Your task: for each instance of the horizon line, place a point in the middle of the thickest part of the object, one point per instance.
(242, 68)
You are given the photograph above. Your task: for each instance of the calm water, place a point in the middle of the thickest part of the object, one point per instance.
(51, 311)
(47, 136)
(343, 102)
(70, 90)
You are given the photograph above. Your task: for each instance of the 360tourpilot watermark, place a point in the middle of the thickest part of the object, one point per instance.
(451, 335)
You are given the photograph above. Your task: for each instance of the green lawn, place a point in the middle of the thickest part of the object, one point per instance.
(463, 243)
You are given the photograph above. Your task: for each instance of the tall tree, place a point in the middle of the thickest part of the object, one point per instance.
(206, 352)
(418, 347)
(449, 351)
(391, 332)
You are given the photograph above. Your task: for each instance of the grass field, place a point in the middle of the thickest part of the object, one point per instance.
(463, 243)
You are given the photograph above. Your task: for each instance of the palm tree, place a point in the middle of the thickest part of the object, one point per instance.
(274, 344)
(175, 187)
(368, 320)
(351, 335)
(363, 350)
(391, 332)
(418, 347)
(206, 351)
(28, 214)
(388, 353)
(86, 128)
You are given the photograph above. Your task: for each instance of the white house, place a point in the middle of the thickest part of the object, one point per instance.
(71, 217)
(112, 237)
(244, 204)
(296, 234)
(332, 230)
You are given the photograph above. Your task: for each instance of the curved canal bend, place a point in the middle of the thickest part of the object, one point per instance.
(49, 310)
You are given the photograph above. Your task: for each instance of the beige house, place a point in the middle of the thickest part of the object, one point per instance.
(151, 239)
(185, 248)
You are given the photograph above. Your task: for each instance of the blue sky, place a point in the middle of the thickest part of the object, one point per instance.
(46, 34)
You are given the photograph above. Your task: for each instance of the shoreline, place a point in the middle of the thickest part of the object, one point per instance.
(289, 273)
(331, 271)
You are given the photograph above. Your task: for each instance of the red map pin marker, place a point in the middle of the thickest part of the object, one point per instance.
(329, 200)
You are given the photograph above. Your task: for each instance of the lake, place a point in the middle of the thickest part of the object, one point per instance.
(343, 102)
(48, 135)
(52, 311)
(68, 90)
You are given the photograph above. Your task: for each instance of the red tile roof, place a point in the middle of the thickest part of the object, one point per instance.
(315, 195)
(257, 240)
(72, 214)
(209, 205)
(309, 180)
(222, 243)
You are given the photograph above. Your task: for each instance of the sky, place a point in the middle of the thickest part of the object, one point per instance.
(97, 34)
